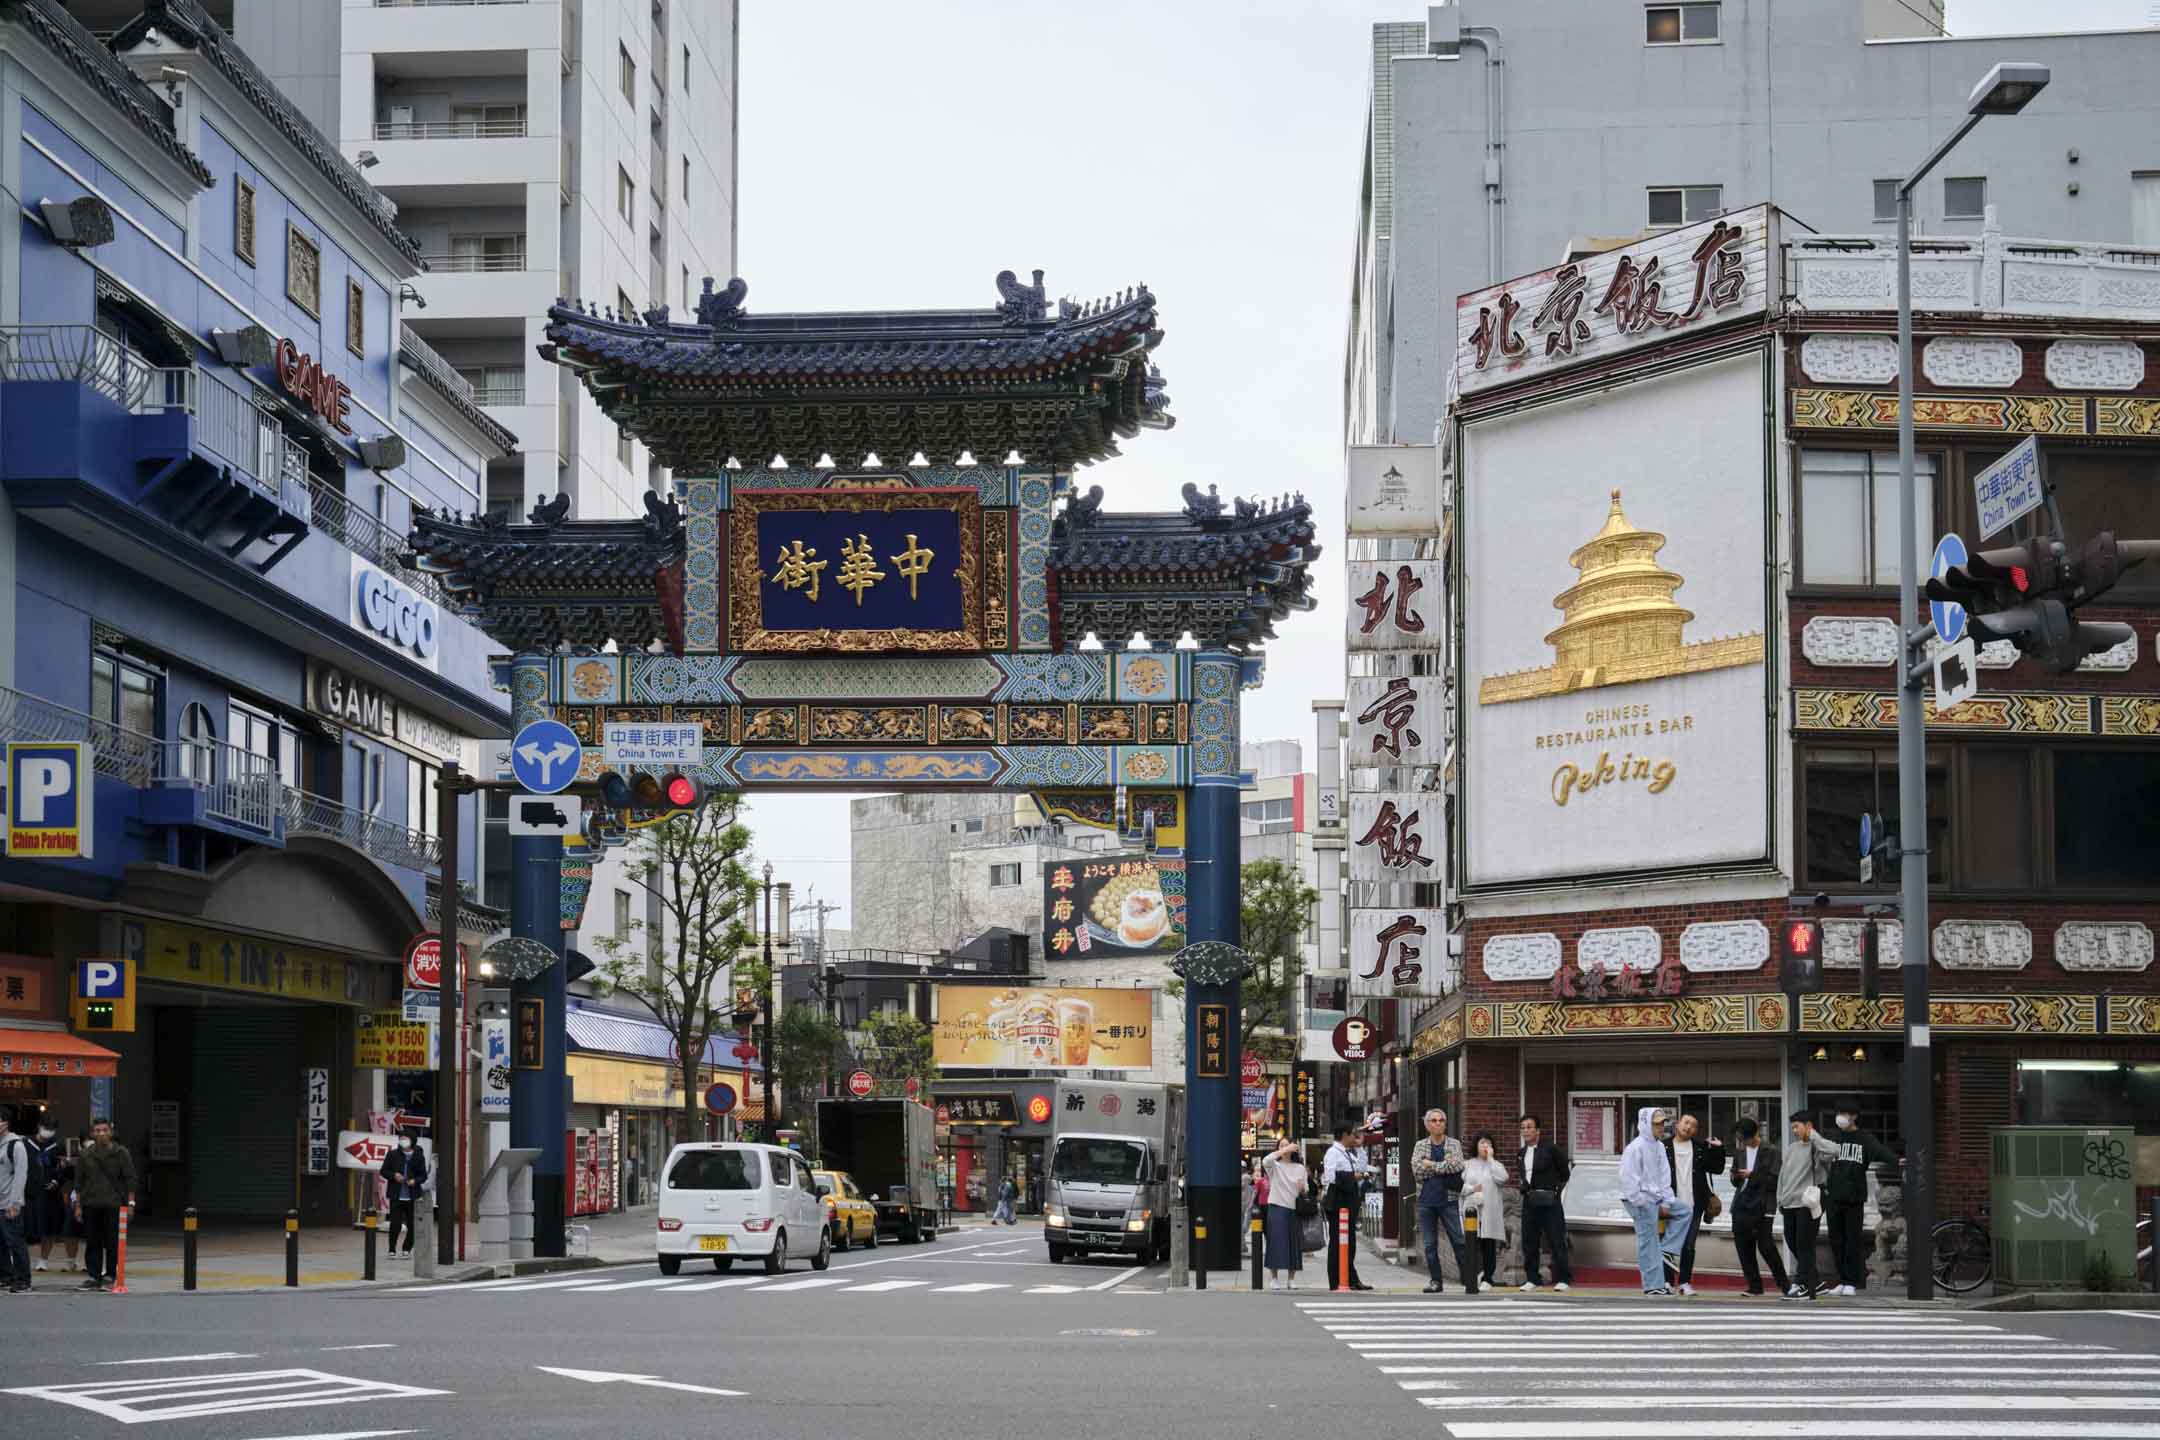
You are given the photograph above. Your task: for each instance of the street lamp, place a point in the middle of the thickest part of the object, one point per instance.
(2007, 89)
(765, 1003)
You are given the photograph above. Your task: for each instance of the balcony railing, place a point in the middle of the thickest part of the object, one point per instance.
(471, 262)
(333, 513)
(385, 840)
(89, 356)
(449, 129)
(238, 786)
(508, 393)
(125, 755)
(1989, 273)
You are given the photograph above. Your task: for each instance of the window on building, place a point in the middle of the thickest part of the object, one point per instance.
(1886, 199)
(485, 122)
(356, 318)
(1005, 874)
(625, 195)
(303, 272)
(1685, 204)
(629, 75)
(622, 914)
(1680, 24)
(2104, 833)
(1965, 197)
(197, 757)
(124, 692)
(1270, 815)
(2114, 490)
(495, 849)
(487, 252)
(2087, 1093)
(251, 731)
(423, 804)
(973, 826)
(1844, 783)
(1848, 514)
(244, 220)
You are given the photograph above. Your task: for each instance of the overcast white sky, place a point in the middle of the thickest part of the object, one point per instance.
(900, 155)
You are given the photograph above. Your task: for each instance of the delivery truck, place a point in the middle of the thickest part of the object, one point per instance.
(890, 1147)
(1117, 1152)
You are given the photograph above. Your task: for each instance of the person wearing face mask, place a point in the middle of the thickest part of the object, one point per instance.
(51, 1206)
(1845, 1196)
(404, 1173)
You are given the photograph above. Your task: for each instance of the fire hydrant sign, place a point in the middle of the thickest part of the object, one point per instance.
(363, 1150)
(423, 962)
(387, 1042)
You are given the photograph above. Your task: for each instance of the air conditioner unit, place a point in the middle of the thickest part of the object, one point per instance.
(383, 452)
(249, 345)
(78, 224)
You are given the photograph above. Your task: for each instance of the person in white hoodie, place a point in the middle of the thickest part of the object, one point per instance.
(1646, 1188)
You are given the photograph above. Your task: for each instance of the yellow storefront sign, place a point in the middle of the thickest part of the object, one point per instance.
(189, 955)
(386, 1042)
(624, 1084)
(981, 1027)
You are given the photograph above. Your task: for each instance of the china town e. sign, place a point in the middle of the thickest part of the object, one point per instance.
(1606, 305)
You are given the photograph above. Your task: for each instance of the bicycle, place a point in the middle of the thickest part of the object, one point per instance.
(1964, 1255)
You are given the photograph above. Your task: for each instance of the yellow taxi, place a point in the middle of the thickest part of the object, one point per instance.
(848, 1216)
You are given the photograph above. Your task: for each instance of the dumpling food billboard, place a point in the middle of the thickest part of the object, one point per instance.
(1617, 703)
(1004, 1027)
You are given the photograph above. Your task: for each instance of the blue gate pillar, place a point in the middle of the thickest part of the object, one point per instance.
(539, 1102)
(1212, 1009)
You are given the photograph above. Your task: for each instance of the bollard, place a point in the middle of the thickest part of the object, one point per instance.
(187, 1248)
(1259, 1242)
(1180, 1250)
(292, 1248)
(119, 1286)
(2153, 1242)
(1200, 1255)
(367, 1269)
(1473, 1254)
(1342, 1250)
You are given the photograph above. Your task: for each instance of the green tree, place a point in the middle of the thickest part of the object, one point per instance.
(904, 1053)
(806, 1044)
(693, 866)
(1274, 911)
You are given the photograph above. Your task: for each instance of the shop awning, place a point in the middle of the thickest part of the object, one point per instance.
(611, 1034)
(53, 1052)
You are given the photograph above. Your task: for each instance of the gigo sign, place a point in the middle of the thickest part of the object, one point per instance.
(394, 612)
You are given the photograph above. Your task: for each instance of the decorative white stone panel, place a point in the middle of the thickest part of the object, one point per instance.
(1631, 947)
(1965, 360)
(2114, 293)
(1522, 957)
(2094, 364)
(1949, 281)
(1717, 945)
(2117, 945)
(2027, 282)
(1983, 945)
(1849, 359)
(1849, 640)
(2115, 657)
(1824, 282)
(1841, 944)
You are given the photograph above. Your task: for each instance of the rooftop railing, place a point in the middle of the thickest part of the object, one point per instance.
(471, 262)
(449, 129)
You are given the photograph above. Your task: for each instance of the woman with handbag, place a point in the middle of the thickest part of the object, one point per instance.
(1483, 1179)
(1289, 1201)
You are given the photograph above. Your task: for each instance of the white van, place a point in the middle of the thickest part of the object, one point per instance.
(730, 1201)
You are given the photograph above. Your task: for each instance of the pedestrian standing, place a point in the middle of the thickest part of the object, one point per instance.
(17, 1160)
(1692, 1166)
(105, 1181)
(53, 1221)
(1755, 1188)
(1544, 1218)
(1436, 1163)
(1845, 1196)
(1646, 1189)
(1799, 1196)
(404, 1173)
(1288, 1199)
(1007, 1194)
(1341, 1172)
(1484, 1178)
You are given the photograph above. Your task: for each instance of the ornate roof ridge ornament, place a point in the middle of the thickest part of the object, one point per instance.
(1021, 304)
(723, 309)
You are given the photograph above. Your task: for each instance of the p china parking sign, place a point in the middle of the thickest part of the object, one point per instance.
(51, 795)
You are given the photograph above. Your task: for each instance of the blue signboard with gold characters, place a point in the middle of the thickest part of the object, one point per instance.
(856, 570)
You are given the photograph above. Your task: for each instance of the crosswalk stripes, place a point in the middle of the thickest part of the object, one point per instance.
(638, 1282)
(1553, 1370)
(194, 1396)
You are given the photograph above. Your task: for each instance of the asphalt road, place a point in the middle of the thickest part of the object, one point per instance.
(980, 1336)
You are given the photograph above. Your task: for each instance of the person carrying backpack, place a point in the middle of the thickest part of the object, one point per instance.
(20, 1177)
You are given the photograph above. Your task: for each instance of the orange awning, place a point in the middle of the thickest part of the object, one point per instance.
(53, 1052)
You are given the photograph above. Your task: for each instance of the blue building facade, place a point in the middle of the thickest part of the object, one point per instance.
(214, 432)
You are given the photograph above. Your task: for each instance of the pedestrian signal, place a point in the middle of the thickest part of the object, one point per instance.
(1800, 958)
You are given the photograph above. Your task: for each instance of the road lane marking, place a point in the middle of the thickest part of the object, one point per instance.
(1116, 1280)
(1055, 1290)
(231, 1393)
(650, 1283)
(814, 1282)
(1803, 1429)
(1570, 1367)
(383, 1346)
(884, 1285)
(186, 1359)
(345, 1435)
(730, 1283)
(975, 1288)
(653, 1382)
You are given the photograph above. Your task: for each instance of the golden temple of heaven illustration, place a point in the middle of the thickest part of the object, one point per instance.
(1621, 623)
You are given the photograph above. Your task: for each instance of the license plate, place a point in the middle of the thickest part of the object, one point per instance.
(712, 1242)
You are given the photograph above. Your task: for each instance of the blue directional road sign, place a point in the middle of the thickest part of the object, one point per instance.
(1867, 834)
(1948, 615)
(544, 757)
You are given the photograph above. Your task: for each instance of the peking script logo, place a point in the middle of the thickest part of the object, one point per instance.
(1630, 769)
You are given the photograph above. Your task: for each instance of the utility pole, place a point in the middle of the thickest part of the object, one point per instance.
(765, 1008)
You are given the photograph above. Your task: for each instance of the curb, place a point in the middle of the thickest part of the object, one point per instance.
(2065, 1301)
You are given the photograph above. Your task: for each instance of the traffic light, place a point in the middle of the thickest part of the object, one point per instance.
(2029, 594)
(1870, 944)
(657, 795)
(1800, 957)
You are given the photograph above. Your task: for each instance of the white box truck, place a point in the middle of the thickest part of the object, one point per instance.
(1117, 1150)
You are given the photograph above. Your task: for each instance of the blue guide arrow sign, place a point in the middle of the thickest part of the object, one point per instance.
(1867, 834)
(544, 757)
(1948, 615)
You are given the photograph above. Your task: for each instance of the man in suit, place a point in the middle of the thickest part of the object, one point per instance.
(1755, 1185)
(1544, 1218)
(1693, 1163)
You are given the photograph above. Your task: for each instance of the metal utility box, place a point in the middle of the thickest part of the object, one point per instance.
(2061, 1195)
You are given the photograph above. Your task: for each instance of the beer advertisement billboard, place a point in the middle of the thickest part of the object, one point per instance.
(1116, 905)
(996, 1027)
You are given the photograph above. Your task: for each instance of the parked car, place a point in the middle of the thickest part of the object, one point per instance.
(735, 1201)
(851, 1218)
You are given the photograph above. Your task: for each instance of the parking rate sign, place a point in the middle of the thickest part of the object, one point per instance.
(51, 795)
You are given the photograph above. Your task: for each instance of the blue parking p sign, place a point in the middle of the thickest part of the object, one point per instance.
(101, 979)
(51, 795)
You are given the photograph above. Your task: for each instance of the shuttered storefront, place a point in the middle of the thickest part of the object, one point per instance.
(240, 1148)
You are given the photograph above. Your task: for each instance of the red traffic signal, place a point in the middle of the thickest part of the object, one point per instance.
(683, 792)
(1800, 957)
